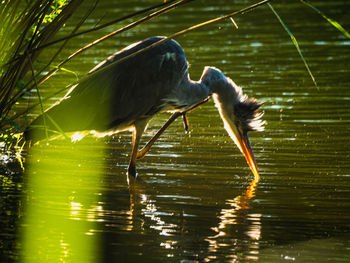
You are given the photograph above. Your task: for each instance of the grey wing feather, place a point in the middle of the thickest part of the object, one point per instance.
(134, 89)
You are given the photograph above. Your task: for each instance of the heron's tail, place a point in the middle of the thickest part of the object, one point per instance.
(66, 116)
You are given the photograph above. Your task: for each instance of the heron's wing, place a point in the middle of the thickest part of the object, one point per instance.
(134, 89)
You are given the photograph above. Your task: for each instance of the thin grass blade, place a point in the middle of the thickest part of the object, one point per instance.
(330, 20)
(69, 71)
(57, 127)
(295, 42)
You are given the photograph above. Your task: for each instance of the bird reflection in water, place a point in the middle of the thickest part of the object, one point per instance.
(237, 217)
(148, 208)
(234, 226)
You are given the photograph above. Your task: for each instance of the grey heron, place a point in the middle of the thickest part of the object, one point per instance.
(127, 95)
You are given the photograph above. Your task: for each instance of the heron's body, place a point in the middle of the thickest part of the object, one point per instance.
(128, 94)
(130, 91)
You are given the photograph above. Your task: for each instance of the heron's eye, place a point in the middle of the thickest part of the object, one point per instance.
(238, 124)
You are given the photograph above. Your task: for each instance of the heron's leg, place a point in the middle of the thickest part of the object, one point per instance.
(136, 136)
(184, 117)
(184, 113)
(144, 150)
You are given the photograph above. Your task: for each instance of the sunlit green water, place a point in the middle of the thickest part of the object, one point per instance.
(195, 200)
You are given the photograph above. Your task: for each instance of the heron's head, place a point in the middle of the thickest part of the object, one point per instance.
(239, 113)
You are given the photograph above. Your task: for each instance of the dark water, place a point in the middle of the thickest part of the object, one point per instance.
(196, 199)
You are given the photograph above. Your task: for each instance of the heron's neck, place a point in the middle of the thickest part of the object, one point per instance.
(222, 93)
(217, 84)
(199, 91)
(188, 94)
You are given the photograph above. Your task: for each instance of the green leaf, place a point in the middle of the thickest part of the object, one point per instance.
(295, 42)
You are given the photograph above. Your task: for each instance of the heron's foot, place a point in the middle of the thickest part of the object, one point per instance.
(184, 117)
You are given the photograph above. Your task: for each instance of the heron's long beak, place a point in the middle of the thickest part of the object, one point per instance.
(248, 154)
(243, 143)
(239, 137)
